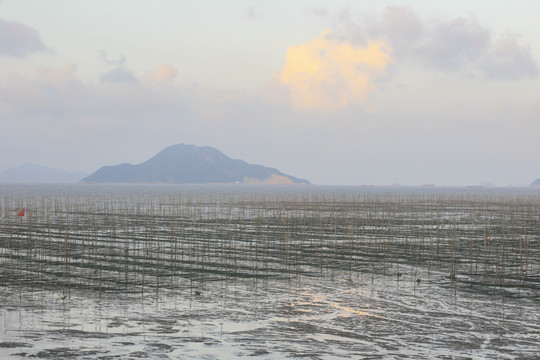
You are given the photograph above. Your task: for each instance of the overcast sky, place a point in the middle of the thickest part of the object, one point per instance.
(337, 92)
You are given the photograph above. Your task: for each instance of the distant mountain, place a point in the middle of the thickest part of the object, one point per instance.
(190, 164)
(32, 173)
(536, 182)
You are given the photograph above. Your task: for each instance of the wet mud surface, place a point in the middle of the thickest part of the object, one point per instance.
(316, 318)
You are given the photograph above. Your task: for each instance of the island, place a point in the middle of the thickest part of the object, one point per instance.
(190, 164)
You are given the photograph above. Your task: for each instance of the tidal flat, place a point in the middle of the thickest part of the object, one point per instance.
(225, 272)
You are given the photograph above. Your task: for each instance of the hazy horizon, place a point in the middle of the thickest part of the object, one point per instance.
(337, 92)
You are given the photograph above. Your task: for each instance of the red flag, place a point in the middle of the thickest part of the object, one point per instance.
(21, 213)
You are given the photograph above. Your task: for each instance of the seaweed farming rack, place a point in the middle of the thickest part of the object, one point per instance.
(149, 242)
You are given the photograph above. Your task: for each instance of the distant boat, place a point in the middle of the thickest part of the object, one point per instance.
(21, 213)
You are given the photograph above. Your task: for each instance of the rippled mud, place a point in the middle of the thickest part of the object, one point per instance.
(337, 315)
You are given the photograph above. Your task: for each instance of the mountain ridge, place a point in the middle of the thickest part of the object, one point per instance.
(34, 173)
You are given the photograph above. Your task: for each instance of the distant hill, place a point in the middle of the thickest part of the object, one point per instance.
(190, 164)
(536, 182)
(32, 173)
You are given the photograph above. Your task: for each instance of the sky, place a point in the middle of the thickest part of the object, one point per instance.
(337, 92)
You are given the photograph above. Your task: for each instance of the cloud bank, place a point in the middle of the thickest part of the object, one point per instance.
(18, 40)
(453, 45)
(56, 99)
(119, 75)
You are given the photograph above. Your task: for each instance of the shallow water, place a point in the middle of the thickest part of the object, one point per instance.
(275, 279)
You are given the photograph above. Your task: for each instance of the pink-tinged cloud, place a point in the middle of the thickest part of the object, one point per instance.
(57, 74)
(18, 40)
(328, 74)
(165, 74)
